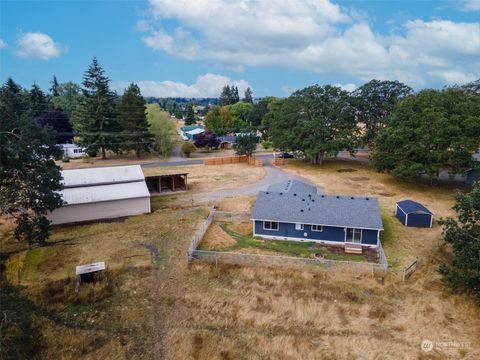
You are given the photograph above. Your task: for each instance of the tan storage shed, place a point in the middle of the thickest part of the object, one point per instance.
(102, 193)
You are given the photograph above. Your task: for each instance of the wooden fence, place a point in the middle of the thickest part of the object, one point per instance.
(226, 160)
(410, 269)
(250, 160)
(279, 161)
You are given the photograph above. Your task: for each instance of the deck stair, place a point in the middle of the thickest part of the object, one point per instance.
(353, 249)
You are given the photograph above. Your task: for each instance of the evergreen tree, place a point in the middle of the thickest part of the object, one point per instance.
(38, 101)
(190, 118)
(234, 97)
(94, 118)
(54, 87)
(133, 121)
(248, 98)
(245, 144)
(226, 96)
(29, 177)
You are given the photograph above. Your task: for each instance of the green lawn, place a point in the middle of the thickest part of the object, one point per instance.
(284, 247)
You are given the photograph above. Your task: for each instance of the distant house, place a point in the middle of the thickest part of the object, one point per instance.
(190, 132)
(226, 141)
(414, 214)
(101, 193)
(72, 150)
(293, 210)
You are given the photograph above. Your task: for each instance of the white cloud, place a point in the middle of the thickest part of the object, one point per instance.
(312, 35)
(347, 87)
(2, 44)
(470, 5)
(37, 46)
(208, 85)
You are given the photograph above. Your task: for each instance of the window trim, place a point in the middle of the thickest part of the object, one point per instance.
(299, 226)
(317, 226)
(271, 222)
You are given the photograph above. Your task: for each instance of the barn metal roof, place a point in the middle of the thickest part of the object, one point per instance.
(109, 192)
(328, 210)
(101, 175)
(410, 207)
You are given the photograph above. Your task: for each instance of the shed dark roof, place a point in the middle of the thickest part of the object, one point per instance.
(293, 186)
(410, 207)
(329, 210)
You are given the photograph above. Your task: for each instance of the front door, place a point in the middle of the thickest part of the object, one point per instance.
(354, 236)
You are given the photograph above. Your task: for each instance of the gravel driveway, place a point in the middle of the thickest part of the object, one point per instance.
(274, 175)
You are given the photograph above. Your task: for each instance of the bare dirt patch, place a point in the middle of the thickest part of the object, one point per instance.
(359, 178)
(237, 204)
(346, 170)
(203, 178)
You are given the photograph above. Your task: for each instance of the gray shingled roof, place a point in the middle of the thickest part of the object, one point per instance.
(329, 210)
(293, 186)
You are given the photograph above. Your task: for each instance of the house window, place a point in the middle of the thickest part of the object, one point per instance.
(298, 226)
(354, 235)
(317, 228)
(270, 225)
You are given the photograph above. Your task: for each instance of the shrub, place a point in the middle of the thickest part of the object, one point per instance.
(188, 148)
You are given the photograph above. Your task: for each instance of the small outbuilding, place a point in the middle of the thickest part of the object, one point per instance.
(158, 184)
(414, 214)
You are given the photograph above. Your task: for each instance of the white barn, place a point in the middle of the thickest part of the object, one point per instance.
(102, 193)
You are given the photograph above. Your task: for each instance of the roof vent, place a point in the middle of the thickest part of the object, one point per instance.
(367, 199)
(338, 197)
(303, 199)
(268, 193)
(323, 196)
(313, 200)
(352, 198)
(301, 210)
(281, 193)
(294, 194)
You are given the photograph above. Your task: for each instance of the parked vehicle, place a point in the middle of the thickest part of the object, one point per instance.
(286, 155)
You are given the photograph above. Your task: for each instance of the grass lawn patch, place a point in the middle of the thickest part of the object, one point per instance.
(305, 249)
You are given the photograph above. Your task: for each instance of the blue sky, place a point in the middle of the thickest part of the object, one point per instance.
(192, 48)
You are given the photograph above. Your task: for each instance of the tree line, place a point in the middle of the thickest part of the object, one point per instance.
(410, 135)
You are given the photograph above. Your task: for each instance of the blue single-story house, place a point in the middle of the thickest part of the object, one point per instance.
(293, 210)
(414, 214)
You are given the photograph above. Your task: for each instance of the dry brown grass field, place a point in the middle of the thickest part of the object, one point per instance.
(166, 309)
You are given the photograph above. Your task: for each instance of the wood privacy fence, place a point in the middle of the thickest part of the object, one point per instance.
(250, 160)
(226, 160)
(279, 161)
